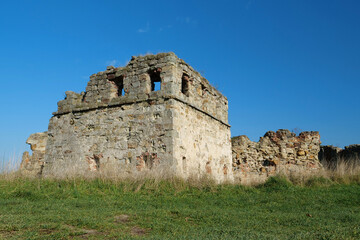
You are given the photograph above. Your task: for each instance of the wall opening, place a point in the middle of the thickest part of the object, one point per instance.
(119, 85)
(155, 79)
(84, 97)
(203, 89)
(185, 84)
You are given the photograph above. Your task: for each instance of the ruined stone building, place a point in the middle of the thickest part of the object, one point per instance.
(158, 111)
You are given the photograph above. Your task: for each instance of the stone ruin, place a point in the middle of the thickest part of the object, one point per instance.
(158, 111)
(32, 165)
(280, 152)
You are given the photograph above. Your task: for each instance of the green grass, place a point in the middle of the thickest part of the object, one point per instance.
(101, 209)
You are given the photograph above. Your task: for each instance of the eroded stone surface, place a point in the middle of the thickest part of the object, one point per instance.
(276, 152)
(32, 165)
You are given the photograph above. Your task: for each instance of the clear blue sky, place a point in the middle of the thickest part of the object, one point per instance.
(282, 64)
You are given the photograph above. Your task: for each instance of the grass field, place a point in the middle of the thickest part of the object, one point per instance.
(174, 209)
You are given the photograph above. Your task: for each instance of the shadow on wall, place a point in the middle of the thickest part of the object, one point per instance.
(331, 156)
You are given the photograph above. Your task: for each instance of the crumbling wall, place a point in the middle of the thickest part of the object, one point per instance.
(276, 152)
(200, 94)
(133, 83)
(32, 165)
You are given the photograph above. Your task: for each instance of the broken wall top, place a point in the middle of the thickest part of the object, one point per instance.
(276, 152)
(281, 137)
(136, 82)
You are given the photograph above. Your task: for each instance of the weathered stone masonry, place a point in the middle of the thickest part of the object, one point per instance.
(124, 120)
(158, 111)
(276, 152)
(33, 165)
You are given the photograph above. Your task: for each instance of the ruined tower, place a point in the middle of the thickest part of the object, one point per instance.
(155, 111)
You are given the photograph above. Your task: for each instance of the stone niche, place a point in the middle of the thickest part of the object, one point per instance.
(157, 111)
(277, 152)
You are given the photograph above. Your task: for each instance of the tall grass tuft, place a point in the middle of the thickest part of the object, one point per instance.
(9, 166)
(345, 171)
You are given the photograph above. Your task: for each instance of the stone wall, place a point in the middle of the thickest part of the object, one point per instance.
(32, 165)
(118, 136)
(276, 152)
(197, 145)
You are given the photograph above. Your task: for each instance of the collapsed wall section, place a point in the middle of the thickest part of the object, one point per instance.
(32, 165)
(276, 152)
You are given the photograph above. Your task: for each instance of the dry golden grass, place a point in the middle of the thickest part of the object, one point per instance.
(342, 172)
(128, 176)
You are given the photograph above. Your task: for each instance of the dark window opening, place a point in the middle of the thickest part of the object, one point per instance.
(155, 79)
(185, 84)
(84, 97)
(119, 85)
(203, 89)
